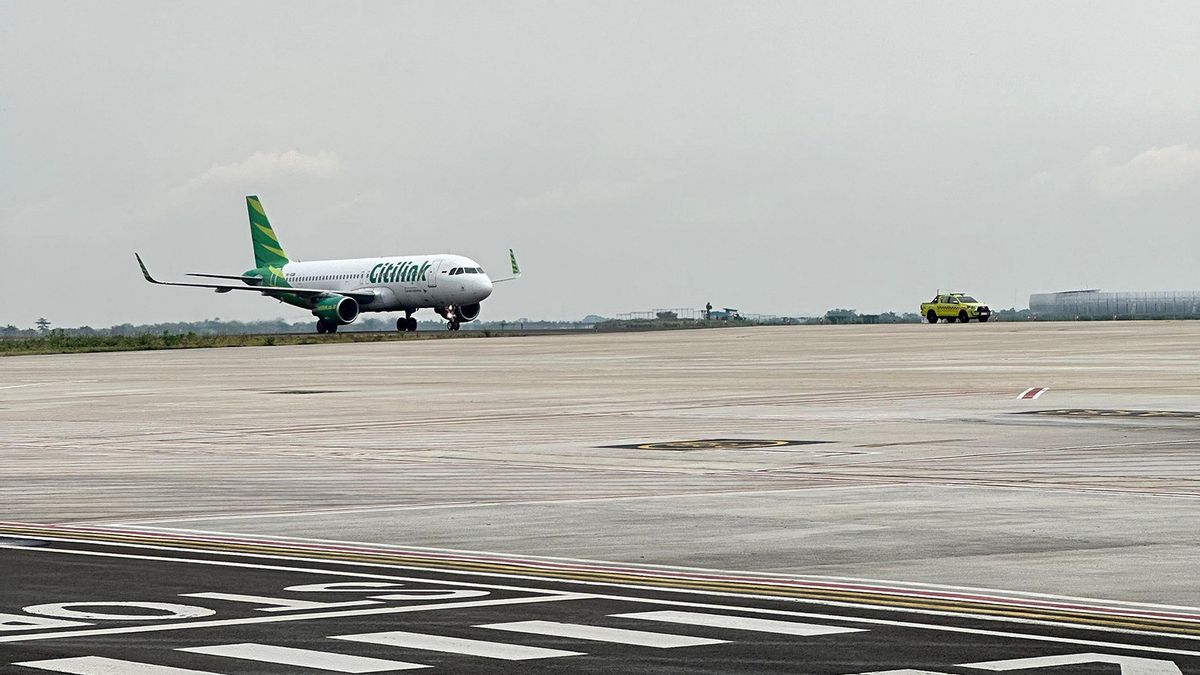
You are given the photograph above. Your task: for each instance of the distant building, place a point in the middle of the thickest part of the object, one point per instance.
(1096, 304)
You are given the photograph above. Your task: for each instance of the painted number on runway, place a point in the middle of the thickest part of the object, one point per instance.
(50, 616)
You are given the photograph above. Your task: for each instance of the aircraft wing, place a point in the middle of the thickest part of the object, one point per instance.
(273, 291)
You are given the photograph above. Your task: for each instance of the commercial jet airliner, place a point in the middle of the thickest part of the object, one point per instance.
(336, 291)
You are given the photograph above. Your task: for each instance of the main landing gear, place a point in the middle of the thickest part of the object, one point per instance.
(324, 326)
(407, 324)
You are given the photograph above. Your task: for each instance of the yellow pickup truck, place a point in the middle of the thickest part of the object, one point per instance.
(951, 307)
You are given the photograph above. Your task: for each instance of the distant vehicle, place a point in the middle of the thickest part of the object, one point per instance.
(951, 307)
(335, 291)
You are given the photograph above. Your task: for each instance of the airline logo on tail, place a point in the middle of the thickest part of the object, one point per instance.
(516, 269)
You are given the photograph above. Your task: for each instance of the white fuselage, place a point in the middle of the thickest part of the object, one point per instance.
(399, 283)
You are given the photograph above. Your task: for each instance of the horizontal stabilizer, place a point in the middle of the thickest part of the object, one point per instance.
(235, 277)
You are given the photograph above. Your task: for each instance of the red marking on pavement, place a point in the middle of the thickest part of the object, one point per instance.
(1032, 393)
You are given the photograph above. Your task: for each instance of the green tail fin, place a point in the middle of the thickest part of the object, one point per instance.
(268, 252)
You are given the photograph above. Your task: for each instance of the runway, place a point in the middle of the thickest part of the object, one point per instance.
(902, 474)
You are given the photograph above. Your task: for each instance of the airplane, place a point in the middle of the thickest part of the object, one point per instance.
(337, 291)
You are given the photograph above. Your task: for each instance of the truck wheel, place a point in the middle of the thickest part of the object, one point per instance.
(962, 316)
(931, 317)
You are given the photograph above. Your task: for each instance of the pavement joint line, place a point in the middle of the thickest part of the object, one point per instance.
(659, 601)
(1106, 617)
(461, 505)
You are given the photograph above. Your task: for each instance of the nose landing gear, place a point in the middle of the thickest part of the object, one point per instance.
(451, 317)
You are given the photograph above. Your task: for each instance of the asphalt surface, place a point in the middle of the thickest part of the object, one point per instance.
(124, 609)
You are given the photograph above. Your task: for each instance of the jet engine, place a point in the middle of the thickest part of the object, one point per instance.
(466, 313)
(336, 309)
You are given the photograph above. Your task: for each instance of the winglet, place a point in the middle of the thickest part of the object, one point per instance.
(516, 269)
(145, 272)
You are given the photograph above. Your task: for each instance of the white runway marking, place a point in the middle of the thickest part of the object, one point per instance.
(304, 658)
(453, 645)
(188, 625)
(1032, 393)
(641, 600)
(1130, 665)
(740, 623)
(97, 665)
(603, 634)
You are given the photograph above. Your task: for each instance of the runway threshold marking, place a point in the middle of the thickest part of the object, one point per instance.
(303, 658)
(639, 638)
(923, 600)
(739, 623)
(454, 645)
(98, 665)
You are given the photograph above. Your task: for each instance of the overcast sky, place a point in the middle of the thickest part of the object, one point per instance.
(782, 158)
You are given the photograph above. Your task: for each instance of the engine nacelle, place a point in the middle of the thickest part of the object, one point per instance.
(337, 309)
(466, 313)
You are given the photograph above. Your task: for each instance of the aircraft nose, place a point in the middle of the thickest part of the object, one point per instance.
(485, 286)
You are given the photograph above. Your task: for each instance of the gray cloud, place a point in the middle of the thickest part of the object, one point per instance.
(1154, 170)
(262, 169)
